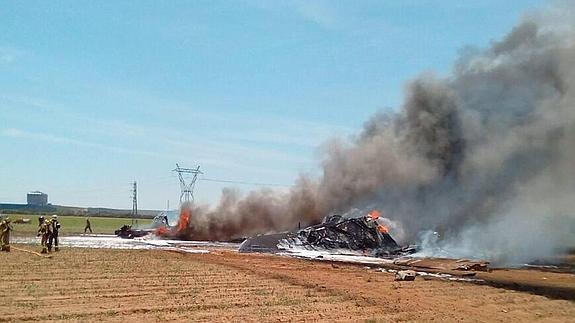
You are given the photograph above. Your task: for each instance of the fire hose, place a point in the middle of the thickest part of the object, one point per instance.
(32, 252)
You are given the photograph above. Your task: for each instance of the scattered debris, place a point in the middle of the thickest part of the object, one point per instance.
(475, 265)
(263, 243)
(405, 275)
(444, 264)
(127, 232)
(438, 276)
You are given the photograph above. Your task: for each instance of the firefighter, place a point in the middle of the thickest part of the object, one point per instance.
(5, 228)
(45, 231)
(88, 226)
(53, 238)
(41, 220)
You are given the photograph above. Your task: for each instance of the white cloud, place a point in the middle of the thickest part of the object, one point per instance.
(12, 132)
(248, 137)
(6, 58)
(319, 12)
(276, 147)
(24, 134)
(19, 102)
(9, 55)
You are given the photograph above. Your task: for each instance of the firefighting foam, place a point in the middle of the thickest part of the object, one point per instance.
(483, 158)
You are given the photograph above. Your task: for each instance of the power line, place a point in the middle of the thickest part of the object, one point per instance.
(242, 182)
(111, 188)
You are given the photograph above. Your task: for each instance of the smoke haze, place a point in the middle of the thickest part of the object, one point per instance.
(485, 157)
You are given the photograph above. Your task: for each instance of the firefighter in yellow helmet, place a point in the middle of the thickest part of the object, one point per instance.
(5, 228)
(45, 232)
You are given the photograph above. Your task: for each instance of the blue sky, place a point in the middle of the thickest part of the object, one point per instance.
(96, 94)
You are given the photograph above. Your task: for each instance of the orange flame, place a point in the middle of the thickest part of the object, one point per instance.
(161, 231)
(383, 229)
(184, 220)
(374, 214)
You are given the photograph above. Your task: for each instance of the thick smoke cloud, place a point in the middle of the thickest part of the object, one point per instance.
(485, 158)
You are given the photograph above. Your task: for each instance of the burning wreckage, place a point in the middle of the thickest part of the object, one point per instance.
(366, 234)
(337, 235)
(159, 223)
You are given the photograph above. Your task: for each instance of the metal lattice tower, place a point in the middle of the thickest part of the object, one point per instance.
(134, 202)
(187, 190)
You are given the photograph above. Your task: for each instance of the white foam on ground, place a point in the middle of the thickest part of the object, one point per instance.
(334, 256)
(114, 242)
(186, 250)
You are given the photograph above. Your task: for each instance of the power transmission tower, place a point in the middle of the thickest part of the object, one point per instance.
(134, 202)
(187, 190)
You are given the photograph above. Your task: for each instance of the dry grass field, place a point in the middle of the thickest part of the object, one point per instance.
(153, 285)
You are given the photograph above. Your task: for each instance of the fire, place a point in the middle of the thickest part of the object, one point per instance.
(374, 214)
(383, 229)
(184, 220)
(161, 231)
(181, 228)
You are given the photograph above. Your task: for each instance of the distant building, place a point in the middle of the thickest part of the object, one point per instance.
(37, 198)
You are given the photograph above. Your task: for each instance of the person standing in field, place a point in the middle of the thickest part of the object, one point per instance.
(88, 226)
(53, 238)
(40, 224)
(5, 228)
(45, 231)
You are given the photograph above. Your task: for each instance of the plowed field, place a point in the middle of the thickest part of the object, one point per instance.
(154, 285)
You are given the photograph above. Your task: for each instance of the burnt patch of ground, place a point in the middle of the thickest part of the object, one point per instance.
(550, 284)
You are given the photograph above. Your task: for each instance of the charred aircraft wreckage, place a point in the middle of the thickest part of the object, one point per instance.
(129, 232)
(365, 234)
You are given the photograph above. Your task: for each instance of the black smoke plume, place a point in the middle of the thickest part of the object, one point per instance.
(485, 157)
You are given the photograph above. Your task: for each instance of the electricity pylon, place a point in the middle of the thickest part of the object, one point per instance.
(187, 190)
(134, 202)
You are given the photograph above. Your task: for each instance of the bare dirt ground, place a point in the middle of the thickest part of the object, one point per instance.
(153, 285)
